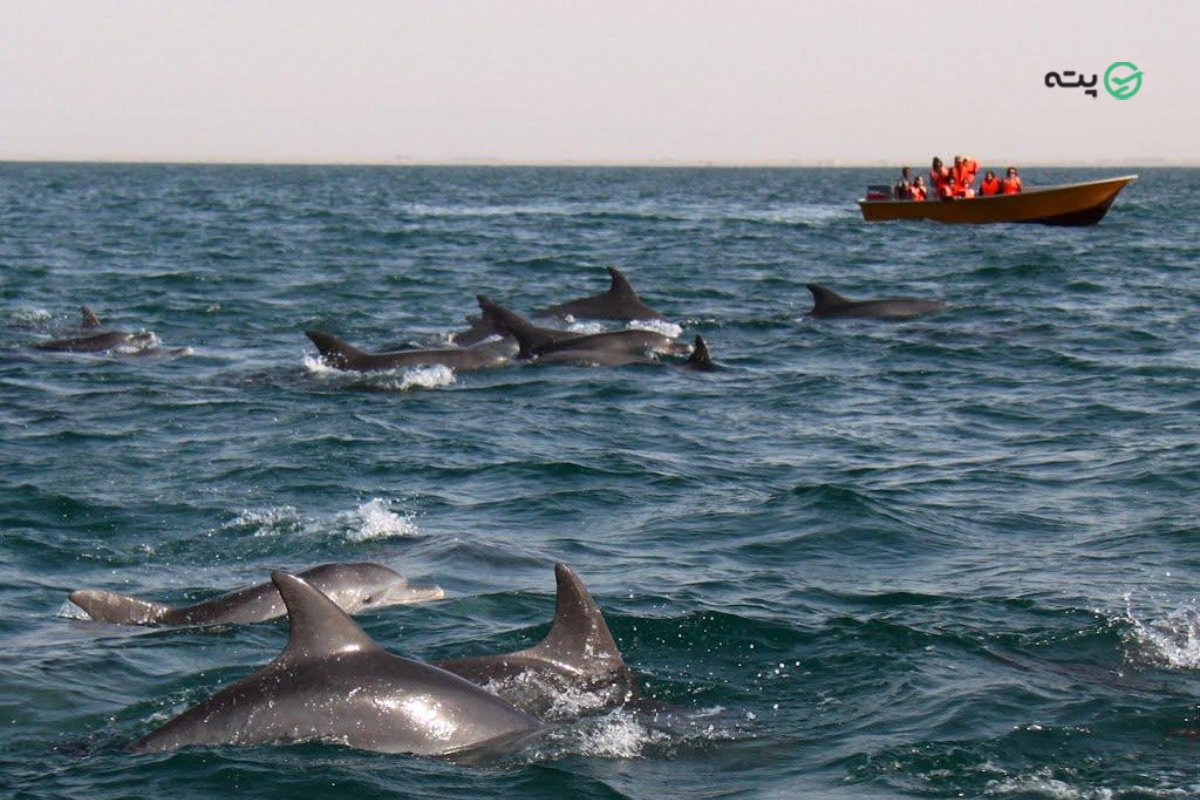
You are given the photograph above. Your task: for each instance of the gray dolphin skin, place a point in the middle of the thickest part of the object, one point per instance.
(578, 654)
(619, 303)
(828, 303)
(334, 684)
(354, 587)
(341, 355)
(619, 346)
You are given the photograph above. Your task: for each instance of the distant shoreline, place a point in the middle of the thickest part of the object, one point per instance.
(659, 164)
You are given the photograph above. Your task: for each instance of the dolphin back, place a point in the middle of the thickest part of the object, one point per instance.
(119, 609)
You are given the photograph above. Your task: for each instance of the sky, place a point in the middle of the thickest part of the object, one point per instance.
(590, 81)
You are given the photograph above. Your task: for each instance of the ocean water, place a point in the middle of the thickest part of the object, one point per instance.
(952, 556)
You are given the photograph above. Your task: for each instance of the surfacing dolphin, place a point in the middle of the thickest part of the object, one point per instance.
(620, 303)
(93, 340)
(341, 355)
(828, 303)
(535, 342)
(579, 654)
(334, 684)
(354, 587)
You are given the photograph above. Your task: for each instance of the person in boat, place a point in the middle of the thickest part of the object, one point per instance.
(917, 190)
(903, 188)
(1011, 183)
(990, 185)
(947, 189)
(964, 172)
(938, 174)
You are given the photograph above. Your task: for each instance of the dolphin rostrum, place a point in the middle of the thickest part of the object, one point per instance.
(354, 587)
(535, 342)
(341, 355)
(578, 654)
(828, 303)
(620, 303)
(333, 683)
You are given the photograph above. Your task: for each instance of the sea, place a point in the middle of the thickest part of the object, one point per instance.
(953, 556)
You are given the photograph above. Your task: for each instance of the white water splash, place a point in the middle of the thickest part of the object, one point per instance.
(618, 736)
(316, 364)
(428, 377)
(269, 522)
(29, 317)
(1173, 642)
(140, 343)
(668, 329)
(375, 520)
(584, 327)
(1043, 783)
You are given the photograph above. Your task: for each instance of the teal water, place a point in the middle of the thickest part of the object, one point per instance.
(955, 556)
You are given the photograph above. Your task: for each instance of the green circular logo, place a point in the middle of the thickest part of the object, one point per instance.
(1126, 81)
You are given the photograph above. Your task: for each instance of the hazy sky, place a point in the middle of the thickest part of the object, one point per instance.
(628, 81)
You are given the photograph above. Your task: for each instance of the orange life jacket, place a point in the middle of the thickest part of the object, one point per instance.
(947, 189)
(989, 187)
(916, 193)
(1011, 185)
(938, 176)
(971, 169)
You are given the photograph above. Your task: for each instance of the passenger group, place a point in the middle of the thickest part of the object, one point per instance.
(955, 183)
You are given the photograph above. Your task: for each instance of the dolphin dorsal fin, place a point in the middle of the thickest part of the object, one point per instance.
(621, 287)
(825, 299)
(579, 639)
(318, 627)
(700, 358)
(504, 320)
(89, 320)
(336, 352)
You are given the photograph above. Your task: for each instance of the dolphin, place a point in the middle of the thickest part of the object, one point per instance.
(341, 355)
(700, 359)
(535, 342)
(354, 587)
(91, 339)
(620, 302)
(333, 683)
(578, 654)
(828, 303)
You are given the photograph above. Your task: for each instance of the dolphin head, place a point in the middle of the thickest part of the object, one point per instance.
(357, 587)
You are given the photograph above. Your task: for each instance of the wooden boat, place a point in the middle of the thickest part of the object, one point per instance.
(1068, 204)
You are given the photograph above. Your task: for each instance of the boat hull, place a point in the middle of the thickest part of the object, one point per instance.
(1070, 204)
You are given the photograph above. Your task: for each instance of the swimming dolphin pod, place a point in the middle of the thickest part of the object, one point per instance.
(828, 303)
(332, 683)
(354, 587)
(619, 303)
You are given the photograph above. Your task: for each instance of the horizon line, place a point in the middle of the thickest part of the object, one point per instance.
(666, 163)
